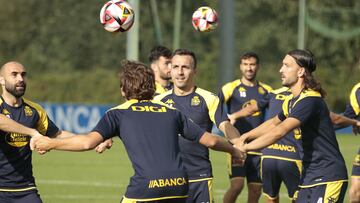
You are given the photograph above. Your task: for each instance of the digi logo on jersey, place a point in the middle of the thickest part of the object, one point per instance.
(155, 109)
(17, 140)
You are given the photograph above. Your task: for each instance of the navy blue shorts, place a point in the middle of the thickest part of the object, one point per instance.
(200, 191)
(29, 196)
(175, 200)
(250, 170)
(333, 192)
(276, 171)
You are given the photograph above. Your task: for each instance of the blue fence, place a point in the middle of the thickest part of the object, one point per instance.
(75, 118)
(83, 118)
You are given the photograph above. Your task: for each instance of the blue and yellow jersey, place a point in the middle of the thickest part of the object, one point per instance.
(353, 108)
(15, 154)
(322, 160)
(203, 108)
(159, 89)
(353, 111)
(288, 147)
(236, 96)
(150, 132)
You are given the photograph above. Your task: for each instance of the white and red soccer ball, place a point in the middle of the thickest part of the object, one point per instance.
(205, 19)
(117, 16)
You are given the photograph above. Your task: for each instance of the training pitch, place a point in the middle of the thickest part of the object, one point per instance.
(83, 177)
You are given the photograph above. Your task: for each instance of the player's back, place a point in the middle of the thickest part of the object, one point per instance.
(150, 132)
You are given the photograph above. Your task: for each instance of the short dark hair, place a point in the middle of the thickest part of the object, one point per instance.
(137, 80)
(159, 51)
(250, 54)
(185, 52)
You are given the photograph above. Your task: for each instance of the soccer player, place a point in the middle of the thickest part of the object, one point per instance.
(324, 175)
(203, 108)
(17, 183)
(150, 131)
(355, 180)
(353, 111)
(280, 162)
(160, 63)
(236, 95)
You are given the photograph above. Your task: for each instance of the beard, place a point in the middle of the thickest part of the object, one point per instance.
(165, 76)
(249, 75)
(288, 83)
(16, 92)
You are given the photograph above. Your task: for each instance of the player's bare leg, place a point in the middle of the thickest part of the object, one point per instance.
(355, 190)
(254, 192)
(236, 186)
(274, 200)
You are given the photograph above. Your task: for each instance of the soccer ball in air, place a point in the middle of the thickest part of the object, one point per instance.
(205, 19)
(117, 16)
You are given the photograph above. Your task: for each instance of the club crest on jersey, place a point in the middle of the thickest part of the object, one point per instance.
(195, 101)
(242, 92)
(28, 111)
(297, 133)
(17, 140)
(170, 102)
(251, 102)
(261, 90)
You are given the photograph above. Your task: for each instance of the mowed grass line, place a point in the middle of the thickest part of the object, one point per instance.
(74, 177)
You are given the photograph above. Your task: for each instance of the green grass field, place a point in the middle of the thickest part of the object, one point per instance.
(75, 177)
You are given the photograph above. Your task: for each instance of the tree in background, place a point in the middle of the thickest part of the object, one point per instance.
(71, 56)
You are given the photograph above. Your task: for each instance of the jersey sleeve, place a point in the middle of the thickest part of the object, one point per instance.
(44, 125)
(216, 111)
(107, 127)
(304, 109)
(281, 116)
(353, 108)
(219, 114)
(52, 128)
(263, 103)
(221, 97)
(190, 130)
(227, 90)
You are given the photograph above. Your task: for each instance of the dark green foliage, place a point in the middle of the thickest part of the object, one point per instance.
(71, 58)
